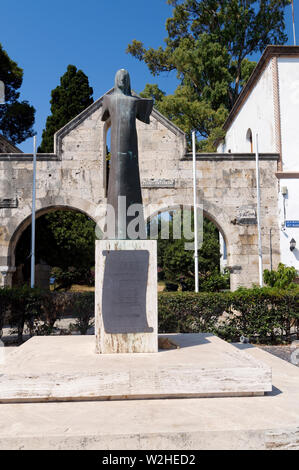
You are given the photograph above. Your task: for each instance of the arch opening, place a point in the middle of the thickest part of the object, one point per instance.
(65, 245)
(176, 262)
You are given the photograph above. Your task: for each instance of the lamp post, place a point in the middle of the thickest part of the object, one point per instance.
(258, 197)
(292, 244)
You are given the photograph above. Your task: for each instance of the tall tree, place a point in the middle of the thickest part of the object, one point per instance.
(68, 100)
(208, 45)
(70, 237)
(16, 117)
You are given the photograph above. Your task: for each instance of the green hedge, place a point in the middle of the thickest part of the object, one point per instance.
(267, 315)
(37, 311)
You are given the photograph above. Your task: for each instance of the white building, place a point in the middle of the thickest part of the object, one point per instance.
(269, 105)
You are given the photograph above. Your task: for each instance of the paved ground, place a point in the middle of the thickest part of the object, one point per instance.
(283, 352)
(267, 422)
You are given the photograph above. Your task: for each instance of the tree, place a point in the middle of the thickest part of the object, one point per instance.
(283, 278)
(64, 239)
(207, 45)
(68, 99)
(16, 117)
(177, 264)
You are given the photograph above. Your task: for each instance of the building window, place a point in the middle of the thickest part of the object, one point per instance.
(249, 140)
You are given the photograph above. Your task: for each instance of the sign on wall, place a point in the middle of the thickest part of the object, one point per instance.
(292, 223)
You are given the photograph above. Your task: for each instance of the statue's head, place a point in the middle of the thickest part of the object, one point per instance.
(122, 82)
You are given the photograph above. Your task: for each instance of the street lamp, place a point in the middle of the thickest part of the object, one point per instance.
(292, 244)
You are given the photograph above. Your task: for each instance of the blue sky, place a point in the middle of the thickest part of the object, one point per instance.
(44, 36)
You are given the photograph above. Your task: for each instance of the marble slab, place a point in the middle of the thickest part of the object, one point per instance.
(66, 368)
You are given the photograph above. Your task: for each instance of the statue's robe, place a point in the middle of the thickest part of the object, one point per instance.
(124, 179)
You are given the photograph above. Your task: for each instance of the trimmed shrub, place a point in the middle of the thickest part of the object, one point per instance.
(267, 315)
(283, 278)
(264, 315)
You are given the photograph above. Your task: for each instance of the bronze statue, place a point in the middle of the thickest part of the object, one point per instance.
(122, 109)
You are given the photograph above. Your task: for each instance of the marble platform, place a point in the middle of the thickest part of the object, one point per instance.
(68, 369)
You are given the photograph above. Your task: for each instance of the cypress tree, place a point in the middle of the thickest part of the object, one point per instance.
(68, 100)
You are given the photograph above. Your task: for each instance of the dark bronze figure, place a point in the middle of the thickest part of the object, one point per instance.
(122, 109)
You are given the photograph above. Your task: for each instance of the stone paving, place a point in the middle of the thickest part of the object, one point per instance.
(283, 352)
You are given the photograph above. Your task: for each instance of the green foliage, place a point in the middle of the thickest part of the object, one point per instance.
(64, 279)
(84, 311)
(64, 239)
(16, 117)
(215, 282)
(267, 315)
(171, 286)
(22, 306)
(177, 263)
(263, 315)
(36, 312)
(207, 45)
(68, 99)
(282, 278)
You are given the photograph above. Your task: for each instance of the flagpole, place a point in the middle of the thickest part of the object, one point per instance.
(195, 213)
(33, 217)
(293, 15)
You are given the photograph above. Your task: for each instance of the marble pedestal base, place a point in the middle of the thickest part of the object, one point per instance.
(124, 298)
(66, 368)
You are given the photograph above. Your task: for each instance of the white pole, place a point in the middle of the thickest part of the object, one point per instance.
(33, 216)
(258, 197)
(195, 213)
(293, 15)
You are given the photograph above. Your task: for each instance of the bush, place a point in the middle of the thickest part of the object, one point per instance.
(215, 282)
(264, 315)
(23, 306)
(65, 279)
(282, 278)
(38, 310)
(84, 311)
(171, 286)
(267, 315)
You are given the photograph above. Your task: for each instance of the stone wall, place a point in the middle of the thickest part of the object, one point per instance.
(74, 178)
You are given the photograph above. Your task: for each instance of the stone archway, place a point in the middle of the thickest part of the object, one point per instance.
(75, 176)
(215, 214)
(19, 224)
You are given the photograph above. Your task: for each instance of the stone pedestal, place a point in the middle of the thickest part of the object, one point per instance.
(126, 312)
(66, 368)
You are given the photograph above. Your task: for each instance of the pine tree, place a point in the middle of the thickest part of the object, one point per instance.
(208, 45)
(69, 99)
(16, 117)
